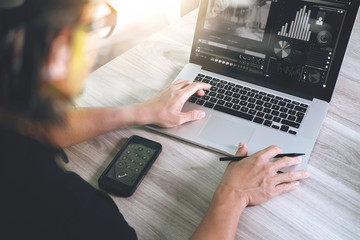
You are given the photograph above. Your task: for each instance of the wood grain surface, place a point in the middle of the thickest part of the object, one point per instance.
(172, 199)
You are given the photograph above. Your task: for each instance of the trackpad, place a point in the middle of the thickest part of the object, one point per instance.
(225, 134)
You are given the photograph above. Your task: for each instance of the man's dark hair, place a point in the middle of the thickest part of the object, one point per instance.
(26, 32)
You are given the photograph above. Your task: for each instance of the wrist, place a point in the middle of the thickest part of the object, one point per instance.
(141, 114)
(230, 194)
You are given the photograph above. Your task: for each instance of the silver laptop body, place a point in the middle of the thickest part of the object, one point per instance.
(287, 52)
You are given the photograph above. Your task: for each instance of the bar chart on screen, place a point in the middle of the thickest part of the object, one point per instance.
(299, 28)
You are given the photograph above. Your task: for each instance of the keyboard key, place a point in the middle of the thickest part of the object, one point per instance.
(268, 123)
(251, 105)
(200, 102)
(229, 105)
(258, 120)
(283, 109)
(283, 115)
(227, 98)
(213, 100)
(260, 114)
(282, 103)
(192, 99)
(303, 105)
(209, 105)
(300, 109)
(205, 97)
(275, 127)
(277, 119)
(236, 95)
(284, 128)
(274, 101)
(291, 112)
(259, 102)
(292, 132)
(220, 96)
(252, 100)
(221, 102)
(244, 98)
(234, 112)
(228, 93)
(268, 117)
(299, 119)
(275, 113)
(259, 108)
(278, 98)
(235, 90)
(267, 105)
(289, 123)
(244, 109)
(291, 106)
(243, 103)
(212, 94)
(266, 99)
(252, 112)
(236, 107)
(291, 118)
(267, 110)
(250, 94)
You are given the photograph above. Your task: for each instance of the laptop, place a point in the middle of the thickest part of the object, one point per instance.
(273, 67)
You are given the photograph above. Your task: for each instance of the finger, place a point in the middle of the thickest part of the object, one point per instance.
(191, 89)
(291, 176)
(285, 162)
(191, 116)
(242, 150)
(286, 187)
(200, 92)
(181, 83)
(269, 152)
(196, 86)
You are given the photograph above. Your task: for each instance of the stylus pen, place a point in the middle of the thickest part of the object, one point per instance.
(277, 156)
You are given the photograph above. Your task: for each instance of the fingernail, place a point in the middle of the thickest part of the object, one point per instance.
(201, 114)
(241, 145)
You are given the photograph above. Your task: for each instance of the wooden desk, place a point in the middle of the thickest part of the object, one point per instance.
(172, 199)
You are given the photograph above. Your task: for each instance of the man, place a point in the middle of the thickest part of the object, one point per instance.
(43, 63)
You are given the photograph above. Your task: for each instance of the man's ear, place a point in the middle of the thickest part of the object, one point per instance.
(57, 64)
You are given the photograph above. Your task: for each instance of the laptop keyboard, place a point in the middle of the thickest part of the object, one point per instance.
(253, 105)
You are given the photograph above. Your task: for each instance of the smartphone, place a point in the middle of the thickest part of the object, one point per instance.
(129, 167)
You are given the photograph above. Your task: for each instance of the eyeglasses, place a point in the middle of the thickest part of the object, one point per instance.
(105, 24)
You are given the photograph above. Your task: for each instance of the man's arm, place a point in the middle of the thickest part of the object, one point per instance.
(250, 181)
(164, 109)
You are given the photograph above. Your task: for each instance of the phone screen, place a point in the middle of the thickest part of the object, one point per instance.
(130, 163)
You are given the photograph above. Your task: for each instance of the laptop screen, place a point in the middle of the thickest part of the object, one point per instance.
(289, 45)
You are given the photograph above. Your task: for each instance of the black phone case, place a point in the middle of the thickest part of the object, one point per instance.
(118, 188)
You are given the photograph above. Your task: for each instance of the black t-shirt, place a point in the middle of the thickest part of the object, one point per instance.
(39, 200)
